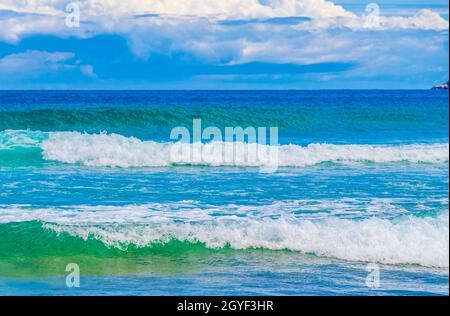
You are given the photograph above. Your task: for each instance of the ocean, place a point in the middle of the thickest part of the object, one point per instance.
(358, 204)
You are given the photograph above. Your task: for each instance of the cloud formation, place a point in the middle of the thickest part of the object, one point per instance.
(35, 63)
(98, 16)
(239, 32)
(228, 9)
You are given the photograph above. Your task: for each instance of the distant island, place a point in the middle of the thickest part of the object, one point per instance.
(443, 86)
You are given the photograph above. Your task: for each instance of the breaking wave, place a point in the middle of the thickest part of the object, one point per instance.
(114, 150)
(402, 239)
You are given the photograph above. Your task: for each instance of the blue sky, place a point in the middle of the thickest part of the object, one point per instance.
(223, 44)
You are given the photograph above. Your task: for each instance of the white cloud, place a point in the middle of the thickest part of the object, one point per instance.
(196, 28)
(262, 42)
(33, 62)
(200, 8)
(423, 20)
(36, 63)
(88, 70)
(13, 28)
(99, 16)
(47, 7)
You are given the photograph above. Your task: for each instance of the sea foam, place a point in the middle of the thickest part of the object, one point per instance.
(382, 233)
(410, 240)
(113, 150)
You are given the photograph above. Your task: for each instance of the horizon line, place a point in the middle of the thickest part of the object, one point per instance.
(237, 89)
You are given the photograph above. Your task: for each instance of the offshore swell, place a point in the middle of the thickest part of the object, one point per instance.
(86, 177)
(303, 117)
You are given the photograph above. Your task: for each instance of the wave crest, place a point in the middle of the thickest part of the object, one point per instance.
(374, 230)
(118, 151)
(410, 240)
(114, 150)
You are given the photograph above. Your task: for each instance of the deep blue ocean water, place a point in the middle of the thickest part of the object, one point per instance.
(362, 180)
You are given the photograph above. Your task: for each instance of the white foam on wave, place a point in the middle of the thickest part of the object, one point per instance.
(112, 150)
(373, 230)
(10, 139)
(410, 240)
(188, 211)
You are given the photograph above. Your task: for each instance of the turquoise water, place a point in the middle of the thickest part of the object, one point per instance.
(85, 178)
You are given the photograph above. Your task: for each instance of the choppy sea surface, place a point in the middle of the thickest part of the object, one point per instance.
(362, 184)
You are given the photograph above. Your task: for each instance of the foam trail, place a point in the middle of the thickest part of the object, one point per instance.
(188, 211)
(10, 139)
(114, 150)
